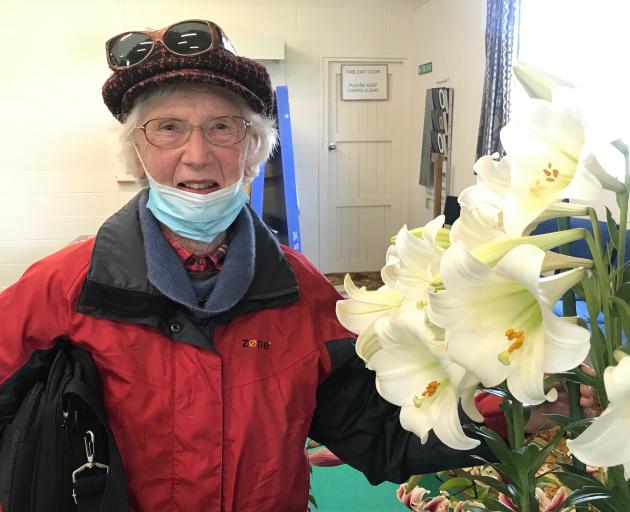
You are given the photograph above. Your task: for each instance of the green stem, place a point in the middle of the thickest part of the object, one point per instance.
(525, 498)
(518, 423)
(622, 201)
(576, 413)
(597, 234)
(568, 299)
(617, 476)
(603, 281)
(569, 309)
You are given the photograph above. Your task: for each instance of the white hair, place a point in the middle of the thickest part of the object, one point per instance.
(263, 129)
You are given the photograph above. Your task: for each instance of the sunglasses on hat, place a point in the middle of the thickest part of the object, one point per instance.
(185, 38)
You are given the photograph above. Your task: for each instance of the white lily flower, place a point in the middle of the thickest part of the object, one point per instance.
(472, 230)
(412, 262)
(545, 144)
(481, 215)
(481, 205)
(407, 274)
(422, 381)
(499, 321)
(600, 444)
(494, 174)
(364, 306)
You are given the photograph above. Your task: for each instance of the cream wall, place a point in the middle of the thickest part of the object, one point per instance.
(58, 170)
(450, 34)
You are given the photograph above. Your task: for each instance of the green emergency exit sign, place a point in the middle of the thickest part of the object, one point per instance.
(425, 68)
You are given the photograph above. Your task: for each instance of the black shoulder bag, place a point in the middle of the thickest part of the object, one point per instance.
(58, 453)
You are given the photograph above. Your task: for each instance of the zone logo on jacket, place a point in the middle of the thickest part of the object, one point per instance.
(254, 343)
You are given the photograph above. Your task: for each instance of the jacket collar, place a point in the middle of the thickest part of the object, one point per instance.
(117, 284)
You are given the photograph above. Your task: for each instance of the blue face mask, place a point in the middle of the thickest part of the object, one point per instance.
(199, 217)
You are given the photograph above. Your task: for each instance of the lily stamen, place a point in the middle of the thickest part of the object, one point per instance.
(421, 304)
(431, 388)
(519, 338)
(429, 391)
(550, 173)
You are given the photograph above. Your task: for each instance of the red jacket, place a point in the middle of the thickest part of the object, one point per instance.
(211, 416)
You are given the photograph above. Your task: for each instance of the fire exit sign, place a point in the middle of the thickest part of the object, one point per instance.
(425, 68)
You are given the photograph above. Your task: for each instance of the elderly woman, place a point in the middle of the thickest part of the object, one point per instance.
(218, 349)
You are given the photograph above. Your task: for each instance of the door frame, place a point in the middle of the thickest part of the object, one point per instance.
(324, 241)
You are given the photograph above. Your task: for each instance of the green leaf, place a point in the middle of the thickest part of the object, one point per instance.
(574, 482)
(546, 449)
(481, 492)
(613, 228)
(570, 468)
(608, 506)
(413, 481)
(492, 503)
(588, 494)
(474, 508)
(456, 483)
(584, 377)
(623, 309)
(624, 292)
(592, 294)
(496, 443)
(598, 349)
(495, 484)
(311, 499)
(507, 473)
(568, 423)
(619, 497)
(532, 457)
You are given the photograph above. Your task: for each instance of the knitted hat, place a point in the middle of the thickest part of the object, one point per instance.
(218, 66)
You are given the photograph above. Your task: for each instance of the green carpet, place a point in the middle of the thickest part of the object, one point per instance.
(343, 489)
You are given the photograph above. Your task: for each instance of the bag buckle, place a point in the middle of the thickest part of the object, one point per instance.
(88, 439)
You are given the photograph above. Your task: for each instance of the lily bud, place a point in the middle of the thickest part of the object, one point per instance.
(555, 261)
(492, 252)
(443, 237)
(537, 83)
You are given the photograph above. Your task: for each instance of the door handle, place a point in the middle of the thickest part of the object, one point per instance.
(332, 146)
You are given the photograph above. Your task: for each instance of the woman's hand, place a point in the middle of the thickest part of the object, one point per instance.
(538, 421)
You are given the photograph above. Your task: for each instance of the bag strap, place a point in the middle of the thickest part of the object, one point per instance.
(99, 491)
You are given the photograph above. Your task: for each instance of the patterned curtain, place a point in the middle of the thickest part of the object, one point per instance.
(501, 39)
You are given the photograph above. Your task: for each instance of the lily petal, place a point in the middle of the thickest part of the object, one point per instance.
(367, 343)
(448, 428)
(411, 375)
(498, 321)
(599, 444)
(566, 344)
(363, 306)
(617, 379)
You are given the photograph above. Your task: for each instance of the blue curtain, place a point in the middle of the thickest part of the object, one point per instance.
(501, 40)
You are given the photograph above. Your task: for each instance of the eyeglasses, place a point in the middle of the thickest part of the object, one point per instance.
(185, 38)
(173, 133)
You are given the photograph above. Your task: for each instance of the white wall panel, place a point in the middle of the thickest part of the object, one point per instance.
(320, 18)
(450, 34)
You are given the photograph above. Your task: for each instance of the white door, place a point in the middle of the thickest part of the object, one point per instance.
(360, 185)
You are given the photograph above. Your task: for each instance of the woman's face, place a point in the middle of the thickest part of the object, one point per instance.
(197, 163)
